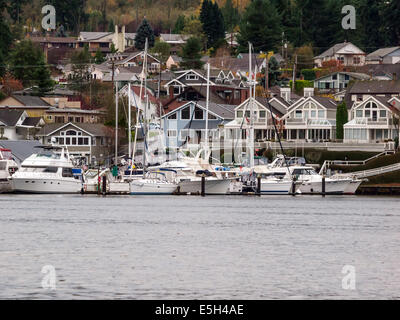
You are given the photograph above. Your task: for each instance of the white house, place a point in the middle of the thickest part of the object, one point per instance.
(384, 56)
(347, 54)
(16, 125)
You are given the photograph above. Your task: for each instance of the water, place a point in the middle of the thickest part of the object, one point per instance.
(199, 248)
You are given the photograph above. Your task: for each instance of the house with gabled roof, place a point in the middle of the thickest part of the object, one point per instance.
(16, 125)
(384, 56)
(345, 54)
(187, 123)
(374, 119)
(85, 141)
(337, 81)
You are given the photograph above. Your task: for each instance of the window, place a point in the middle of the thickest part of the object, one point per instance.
(382, 114)
(185, 113)
(359, 113)
(247, 113)
(177, 90)
(51, 170)
(334, 77)
(321, 114)
(212, 117)
(239, 114)
(172, 116)
(70, 119)
(299, 114)
(171, 133)
(184, 134)
(192, 76)
(367, 113)
(346, 77)
(198, 113)
(313, 114)
(70, 133)
(263, 114)
(356, 60)
(67, 172)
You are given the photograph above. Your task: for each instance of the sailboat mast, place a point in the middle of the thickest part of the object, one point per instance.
(251, 142)
(207, 105)
(145, 107)
(129, 123)
(116, 123)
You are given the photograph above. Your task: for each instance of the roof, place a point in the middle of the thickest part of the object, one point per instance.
(53, 39)
(20, 149)
(380, 53)
(31, 121)
(226, 112)
(276, 108)
(88, 36)
(10, 117)
(355, 75)
(326, 102)
(174, 38)
(375, 87)
(95, 129)
(331, 51)
(30, 101)
(201, 124)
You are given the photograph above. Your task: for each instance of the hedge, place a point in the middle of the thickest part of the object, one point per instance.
(301, 84)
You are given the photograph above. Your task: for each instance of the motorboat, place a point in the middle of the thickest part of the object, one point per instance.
(48, 171)
(154, 183)
(7, 168)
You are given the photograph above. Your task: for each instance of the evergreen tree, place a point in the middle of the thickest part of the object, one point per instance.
(391, 14)
(43, 79)
(70, 13)
(274, 72)
(213, 23)
(162, 50)
(80, 61)
(179, 24)
(99, 57)
(261, 25)
(341, 120)
(231, 15)
(371, 24)
(5, 43)
(111, 26)
(144, 31)
(27, 63)
(191, 54)
(15, 9)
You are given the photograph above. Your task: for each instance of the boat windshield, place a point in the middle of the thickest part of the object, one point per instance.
(39, 169)
(304, 172)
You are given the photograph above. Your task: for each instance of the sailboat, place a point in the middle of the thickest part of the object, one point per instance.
(152, 182)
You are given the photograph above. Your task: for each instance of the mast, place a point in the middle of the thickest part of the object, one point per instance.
(145, 108)
(251, 143)
(129, 123)
(207, 105)
(116, 123)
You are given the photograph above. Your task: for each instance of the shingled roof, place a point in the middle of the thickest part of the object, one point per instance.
(9, 117)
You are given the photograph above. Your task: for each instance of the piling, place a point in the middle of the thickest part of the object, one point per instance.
(203, 185)
(259, 185)
(323, 186)
(104, 187)
(293, 187)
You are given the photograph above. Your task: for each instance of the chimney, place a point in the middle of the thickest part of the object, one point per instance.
(308, 92)
(285, 94)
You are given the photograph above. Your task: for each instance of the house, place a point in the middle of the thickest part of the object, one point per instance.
(137, 58)
(75, 115)
(187, 123)
(85, 141)
(346, 54)
(103, 40)
(231, 39)
(384, 56)
(265, 110)
(173, 62)
(32, 105)
(373, 120)
(16, 125)
(55, 49)
(192, 84)
(311, 119)
(239, 65)
(337, 81)
(381, 71)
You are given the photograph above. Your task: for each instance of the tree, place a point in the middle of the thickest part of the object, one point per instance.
(191, 54)
(144, 31)
(372, 25)
(274, 72)
(261, 26)
(80, 61)
(179, 24)
(6, 39)
(213, 23)
(99, 57)
(70, 13)
(162, 50)
(231, 15)
(341, 120)
(194, 28)
(10, 84)
(391, 12)
(27, 63)
(15, 9)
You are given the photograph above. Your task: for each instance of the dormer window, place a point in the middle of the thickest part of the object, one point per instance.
(298, 114)
(192, 76)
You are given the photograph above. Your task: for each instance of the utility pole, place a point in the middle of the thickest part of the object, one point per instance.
(294, 73)
(207, 105)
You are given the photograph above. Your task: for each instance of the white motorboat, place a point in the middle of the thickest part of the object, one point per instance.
(47, 172)
(276, 186)
(7, 168)
(154, 183)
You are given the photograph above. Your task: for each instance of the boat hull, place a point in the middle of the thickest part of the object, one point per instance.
(331, 187)
(6, 186)
(138, 187)
(46, 186)
(276, 187)
(212, 186)
(352, 187)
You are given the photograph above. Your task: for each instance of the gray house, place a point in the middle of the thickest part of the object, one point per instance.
(337, 81)
(384, 56)
(187, 123)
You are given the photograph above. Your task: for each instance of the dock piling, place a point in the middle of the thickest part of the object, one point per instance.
(203, 185)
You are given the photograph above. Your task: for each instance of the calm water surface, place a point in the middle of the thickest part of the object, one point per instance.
(199, 248)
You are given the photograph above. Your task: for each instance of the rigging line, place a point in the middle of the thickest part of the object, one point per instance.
(277, 132)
